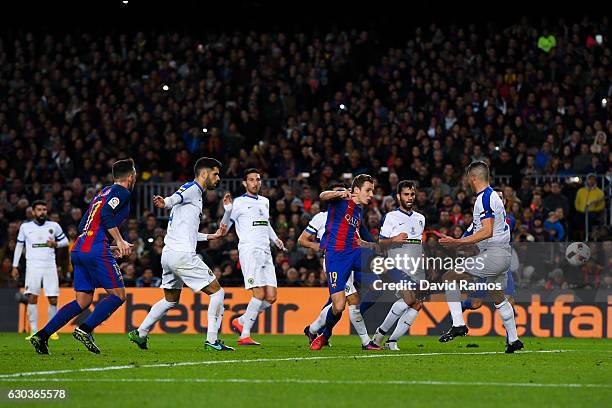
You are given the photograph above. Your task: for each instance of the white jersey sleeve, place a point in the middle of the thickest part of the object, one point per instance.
(60, 237)
(316, 226)
(489, 205)
(386, 229)
(21, 235)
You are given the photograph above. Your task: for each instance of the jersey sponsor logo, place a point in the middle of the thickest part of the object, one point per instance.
(39, 245)
(113, 202)
(351, 220)
(260, 223)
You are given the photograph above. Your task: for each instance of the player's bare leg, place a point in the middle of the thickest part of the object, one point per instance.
(140, 336)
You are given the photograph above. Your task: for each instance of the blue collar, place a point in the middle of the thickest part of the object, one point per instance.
(402, 211)
(482, 191)
(250, 196)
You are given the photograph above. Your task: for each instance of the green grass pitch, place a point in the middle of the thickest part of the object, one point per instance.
(283, 372)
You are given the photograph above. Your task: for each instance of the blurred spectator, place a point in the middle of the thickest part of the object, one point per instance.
(147, 279)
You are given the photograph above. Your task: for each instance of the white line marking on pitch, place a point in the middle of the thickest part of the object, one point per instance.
(306, 381)
(260, 360)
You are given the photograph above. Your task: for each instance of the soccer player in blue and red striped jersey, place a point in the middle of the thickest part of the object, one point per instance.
(341, 243)
(93, 260)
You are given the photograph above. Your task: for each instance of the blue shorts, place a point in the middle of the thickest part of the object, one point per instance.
(93, 270)
(338, 267)
(482, 294)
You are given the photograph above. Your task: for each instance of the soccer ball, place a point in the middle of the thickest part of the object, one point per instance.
(577, 253)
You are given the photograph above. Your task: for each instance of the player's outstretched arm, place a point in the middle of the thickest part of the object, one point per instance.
(484, 233)
(334, 195)
(397, 239)
(222, 231)
(306, 240)
(168, 202)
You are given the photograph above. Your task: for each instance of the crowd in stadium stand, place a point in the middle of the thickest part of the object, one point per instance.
(306, 109)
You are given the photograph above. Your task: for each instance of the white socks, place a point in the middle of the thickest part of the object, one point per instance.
(453, 298)
(51, 311)
(359, 324)
(319, 323)
(397, 310)
(249, 317)
(506, 312)
(33, 317)
(158, 311)
(264, 305)
(404, 324)
(215, 314)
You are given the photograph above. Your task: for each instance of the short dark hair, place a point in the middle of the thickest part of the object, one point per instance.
(480, 168)
(406, 184)
(248, 171)
(205, 163)
(123, 168)
(38, 202)
(338, 185)
(360, 180)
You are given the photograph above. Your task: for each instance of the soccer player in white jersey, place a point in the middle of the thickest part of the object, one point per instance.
(492, 237)
(179, 261)
(251, 214)
(40, 237)
(310, 238)
(402, 233)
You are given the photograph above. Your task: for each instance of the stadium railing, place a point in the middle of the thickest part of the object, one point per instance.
(143, 192)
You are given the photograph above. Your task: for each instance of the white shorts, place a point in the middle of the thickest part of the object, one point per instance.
(184, 267)
(41, 276)
(257, 268)
(350, 288)
(490, 264)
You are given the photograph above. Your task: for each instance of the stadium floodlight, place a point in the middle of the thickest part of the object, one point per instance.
(125, 1)
(165, 87)
(604, 102)
(205, 130)
(342, 107)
